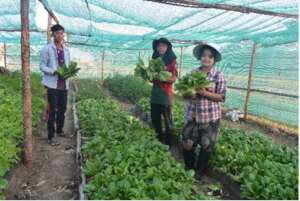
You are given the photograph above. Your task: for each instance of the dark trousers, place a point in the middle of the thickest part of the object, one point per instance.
(57, 103)
(157, 112)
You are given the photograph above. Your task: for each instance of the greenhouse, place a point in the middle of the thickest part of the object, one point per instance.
(149, 99)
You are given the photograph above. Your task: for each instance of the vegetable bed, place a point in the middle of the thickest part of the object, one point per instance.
(263, 169)
(11, 119)
(123, 158)
(127, 87)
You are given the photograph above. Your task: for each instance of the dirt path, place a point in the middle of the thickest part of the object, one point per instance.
(53, 175)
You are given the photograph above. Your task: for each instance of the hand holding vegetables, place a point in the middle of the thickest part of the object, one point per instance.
(68, 71)
(202, 92)
(154, 71)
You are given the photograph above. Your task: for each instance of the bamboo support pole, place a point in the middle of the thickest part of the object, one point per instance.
(49, 28)
(253, 58)
(236, 8)
(27, 115)
(5, 55)
(180, 62)
(102, 66)
(49, 12)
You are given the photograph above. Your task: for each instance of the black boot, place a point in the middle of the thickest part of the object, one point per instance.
(168, 137)
(189, 159)
(202, 163)
(161, 138)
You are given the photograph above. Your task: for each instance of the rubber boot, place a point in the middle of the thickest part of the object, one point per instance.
(202, 164)
(189, 159)
(168, 137)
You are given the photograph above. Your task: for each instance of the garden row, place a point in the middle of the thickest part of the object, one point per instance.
(123, 159)
(264, 170)
(11, 119)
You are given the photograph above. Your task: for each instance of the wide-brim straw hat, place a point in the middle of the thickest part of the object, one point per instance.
(198, 50)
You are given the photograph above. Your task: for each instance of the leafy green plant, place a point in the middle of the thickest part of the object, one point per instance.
(189, 84)
(128, 87)
(264, 170)
(67, 71)
(123, 158)
(11, 119)
(154, 70)
(88, 89)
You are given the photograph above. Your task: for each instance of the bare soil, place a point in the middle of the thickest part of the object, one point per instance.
(54, 172)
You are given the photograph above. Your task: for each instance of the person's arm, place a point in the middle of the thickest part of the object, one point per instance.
(172, 79)
(44, 58)
(220, 90)
(174, 72)
(212, 96)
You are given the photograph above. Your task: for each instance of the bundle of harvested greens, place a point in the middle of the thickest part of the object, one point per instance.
(154, 70)
(189, 84)
(68, 71)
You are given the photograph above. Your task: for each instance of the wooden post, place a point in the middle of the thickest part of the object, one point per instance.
(102, 66)
(27, 116)
(253, 58)
(49, 28)
(180, 62)
(5, 56)
(139, 54)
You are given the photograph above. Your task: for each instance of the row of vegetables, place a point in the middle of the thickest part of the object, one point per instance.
(123, 160)
(11, 119)
(264, 170)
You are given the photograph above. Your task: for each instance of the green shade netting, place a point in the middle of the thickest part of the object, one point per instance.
(287, 6)
(132, 19)
(125, 29)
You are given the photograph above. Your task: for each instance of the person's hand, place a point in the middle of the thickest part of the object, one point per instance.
(202, 92)
(156, 78)
(56, 73)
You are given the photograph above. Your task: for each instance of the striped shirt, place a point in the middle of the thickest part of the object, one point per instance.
(202, 109)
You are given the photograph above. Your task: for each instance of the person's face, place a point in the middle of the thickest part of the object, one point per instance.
(162, 48)
(207, 58)
(59, 36)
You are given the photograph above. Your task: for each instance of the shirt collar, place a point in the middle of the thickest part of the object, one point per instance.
(54, 46)
(212, 71)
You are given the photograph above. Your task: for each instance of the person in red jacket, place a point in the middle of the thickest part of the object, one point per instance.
(162, 91)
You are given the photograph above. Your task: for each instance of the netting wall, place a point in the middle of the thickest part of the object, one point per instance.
(275, 71)
(124, 30)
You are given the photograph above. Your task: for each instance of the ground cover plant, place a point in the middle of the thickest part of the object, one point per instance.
(11, 119)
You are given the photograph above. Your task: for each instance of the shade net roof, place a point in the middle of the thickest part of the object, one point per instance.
(134, 23)
(125, 29)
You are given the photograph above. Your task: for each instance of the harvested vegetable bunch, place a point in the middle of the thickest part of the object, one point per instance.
(189, 84)
(68, 71)
(154, 70)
